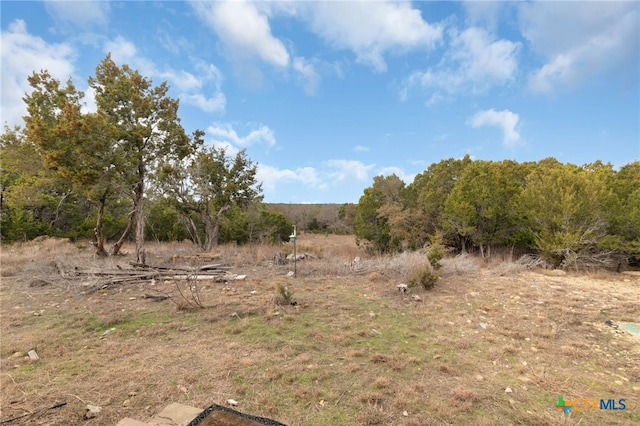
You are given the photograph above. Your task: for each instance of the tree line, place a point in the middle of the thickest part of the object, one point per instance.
(129, 171)
(564, 212)
(129, 167)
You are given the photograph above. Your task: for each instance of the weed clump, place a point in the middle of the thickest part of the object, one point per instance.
(436, 251)
(424, 276)
(284, 296)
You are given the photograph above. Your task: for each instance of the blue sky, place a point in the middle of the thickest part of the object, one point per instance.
(326, 95)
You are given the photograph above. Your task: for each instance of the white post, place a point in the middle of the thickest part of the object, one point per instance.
(292, 237)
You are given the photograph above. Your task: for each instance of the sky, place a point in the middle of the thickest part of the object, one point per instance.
(326, 95)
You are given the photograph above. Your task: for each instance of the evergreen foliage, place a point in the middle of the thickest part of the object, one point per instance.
(562, 211)
(130, 164)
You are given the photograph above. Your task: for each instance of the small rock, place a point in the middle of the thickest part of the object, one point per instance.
(416, 298)
(240, 277)
(33, 356)
(126, 402)
(508, 390)
(436, 357)
(479, 377)
(254, 292)
(91, 411)
(290, 273)
(232, 402)
(483, 325)
(405, 413)
(17, 355)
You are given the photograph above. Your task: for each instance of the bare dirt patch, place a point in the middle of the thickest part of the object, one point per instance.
(489, 345)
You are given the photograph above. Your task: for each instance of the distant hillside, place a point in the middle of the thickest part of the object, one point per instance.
(331, 218)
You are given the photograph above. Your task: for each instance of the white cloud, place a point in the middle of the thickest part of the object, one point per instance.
(485, 14)
(216, 103)
(360, 148)
(244, 31)
(341, 170)
(83, 14)
(223, 134)
(581, 41)
(192, 89)
(21, 55)
(330, 174)
(271, 176)
(370, 29)
(475, 62)
(308, 74)
(392, 170)
(122, 50)
(506, 120)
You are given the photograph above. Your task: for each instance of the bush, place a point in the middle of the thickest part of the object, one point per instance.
(424, 276)
(284, 296)
(436, 251)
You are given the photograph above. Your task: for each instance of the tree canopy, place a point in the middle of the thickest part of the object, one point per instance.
(73, 166)
(562, 211)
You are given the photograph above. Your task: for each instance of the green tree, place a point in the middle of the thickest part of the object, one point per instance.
(429, 190)
(254, 224)
(77, 146)
(163, 221)
(209, 185)
(347, 216)
(371, 220)
(480, 207)
(625, 221)
(33, 198)
(566, 209)
(144, 126)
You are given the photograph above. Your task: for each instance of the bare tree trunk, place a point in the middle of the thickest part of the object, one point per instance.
(192, 228)
(99, 244)
(118, 245)
(212, 228)
(210, 239)
(140, 254)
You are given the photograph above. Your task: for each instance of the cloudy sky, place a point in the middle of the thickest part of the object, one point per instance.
(326, 95)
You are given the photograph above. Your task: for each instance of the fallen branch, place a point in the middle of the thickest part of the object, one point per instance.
(54, 406)
(157, 298)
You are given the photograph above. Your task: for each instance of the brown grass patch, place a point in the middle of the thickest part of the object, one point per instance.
(326, 361)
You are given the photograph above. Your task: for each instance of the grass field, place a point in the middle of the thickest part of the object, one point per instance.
(492, 343)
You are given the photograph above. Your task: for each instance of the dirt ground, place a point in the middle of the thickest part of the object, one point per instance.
(492, 343)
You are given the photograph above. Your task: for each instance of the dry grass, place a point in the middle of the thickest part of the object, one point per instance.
(353, 351)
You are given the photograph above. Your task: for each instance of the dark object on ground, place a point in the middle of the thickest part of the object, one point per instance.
(217, 415)
(634, 261)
